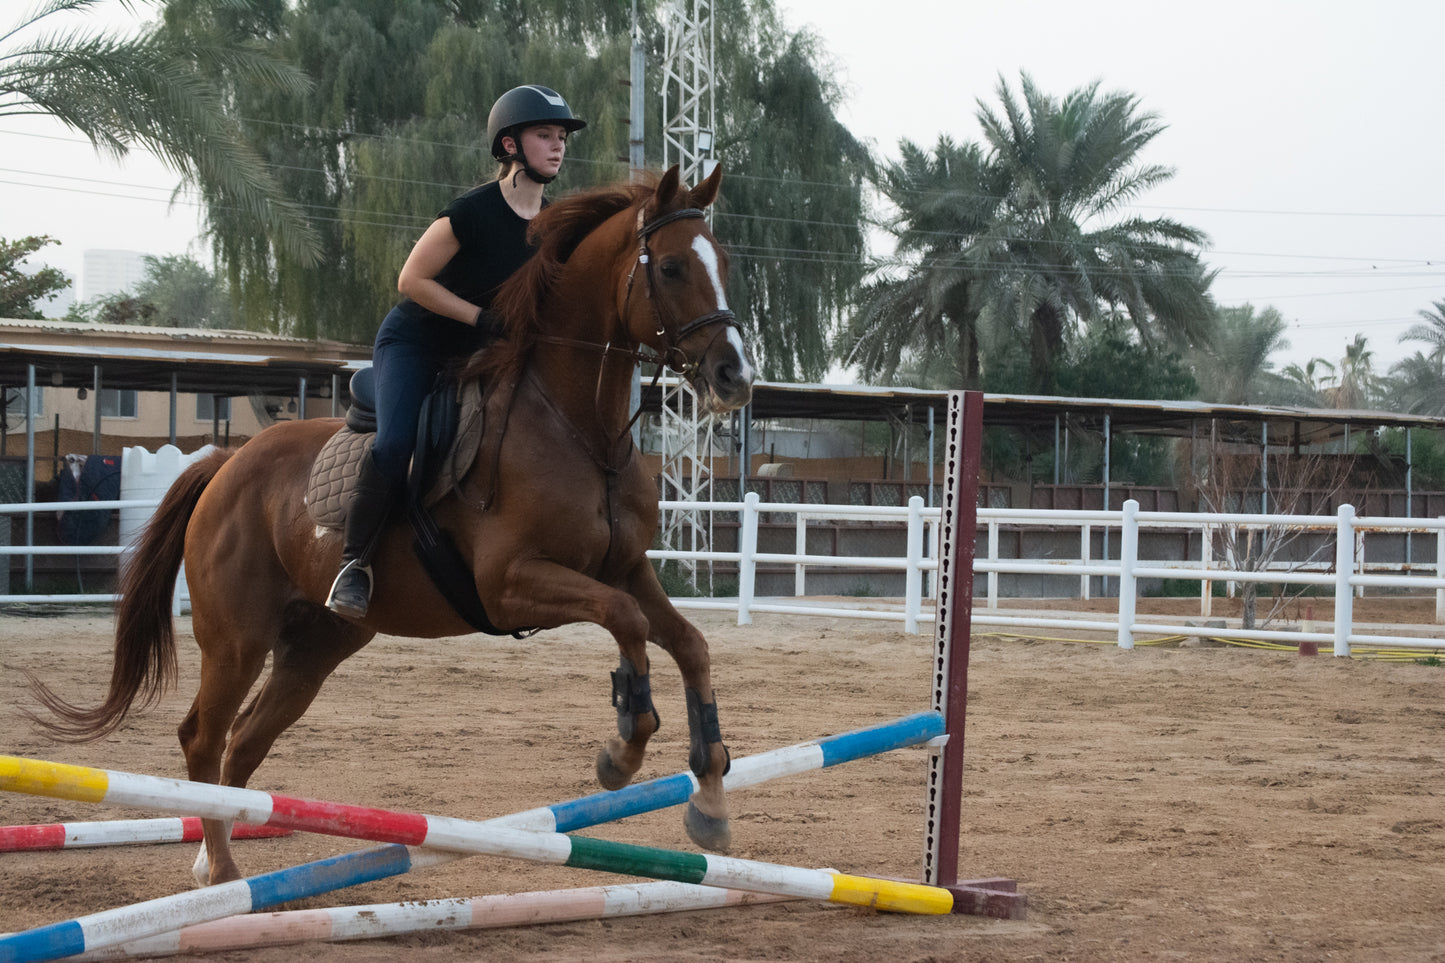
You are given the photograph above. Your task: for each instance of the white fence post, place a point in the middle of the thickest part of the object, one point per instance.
(1206, 559)
(1344, 568)
(1440, 572)
(800, 547)
(748, 563)
(913, 575)
(1128, 561)
(1360, 559)
(934, 533)
(993, 557)
(1086, 536)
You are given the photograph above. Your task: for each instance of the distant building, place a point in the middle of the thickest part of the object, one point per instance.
(110, 272)
(59, 303)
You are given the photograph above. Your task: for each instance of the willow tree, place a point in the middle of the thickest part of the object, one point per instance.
(394, 124)
(391, 129)
(792, 209)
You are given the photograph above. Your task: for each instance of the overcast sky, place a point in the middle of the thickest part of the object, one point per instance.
(1307, 138)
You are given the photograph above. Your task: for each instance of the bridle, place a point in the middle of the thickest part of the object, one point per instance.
(670, 350)
(671, 354)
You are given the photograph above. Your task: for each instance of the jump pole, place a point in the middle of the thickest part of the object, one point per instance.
(246, 896)
(118, 832)
(342, 923)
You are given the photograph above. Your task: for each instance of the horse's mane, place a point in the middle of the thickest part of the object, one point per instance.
(556, 232)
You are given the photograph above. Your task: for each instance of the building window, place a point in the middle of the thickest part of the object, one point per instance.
(213, 408)
(118, 403)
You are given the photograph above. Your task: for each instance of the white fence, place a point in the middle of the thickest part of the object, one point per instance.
(1347, 574)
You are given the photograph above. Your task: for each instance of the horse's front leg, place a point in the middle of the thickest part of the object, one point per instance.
(540, 592)
(707, 811)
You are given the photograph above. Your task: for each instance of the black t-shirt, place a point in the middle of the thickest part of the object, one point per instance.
(493, 240)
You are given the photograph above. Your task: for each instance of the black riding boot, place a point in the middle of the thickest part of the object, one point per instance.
(366, 518)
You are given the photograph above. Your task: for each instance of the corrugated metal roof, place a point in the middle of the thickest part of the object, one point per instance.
(144, 358)
(1245, 423)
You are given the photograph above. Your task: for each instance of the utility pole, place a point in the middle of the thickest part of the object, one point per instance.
(636, 160)
(636, 120)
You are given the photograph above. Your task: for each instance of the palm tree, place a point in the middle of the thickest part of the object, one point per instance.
(1234, 369)
(149, 91)
(1060, 254)
(1357, 379)
(927, 320)
(1432, 332)
(1420, 384)
(1308, 383)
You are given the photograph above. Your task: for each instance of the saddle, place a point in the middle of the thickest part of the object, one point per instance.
(448, 441)
(448, 438)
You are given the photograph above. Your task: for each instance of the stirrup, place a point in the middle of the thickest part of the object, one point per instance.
(349, 597)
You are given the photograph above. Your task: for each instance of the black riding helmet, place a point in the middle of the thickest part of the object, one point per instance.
(523, 107)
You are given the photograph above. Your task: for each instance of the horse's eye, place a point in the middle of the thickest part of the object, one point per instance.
(671, 269)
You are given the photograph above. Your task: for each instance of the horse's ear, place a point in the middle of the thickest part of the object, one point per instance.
(667, 187)
(705, 193)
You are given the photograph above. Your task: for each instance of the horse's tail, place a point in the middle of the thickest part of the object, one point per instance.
(145, 642)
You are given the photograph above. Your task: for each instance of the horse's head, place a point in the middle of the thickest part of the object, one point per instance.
(683, 313)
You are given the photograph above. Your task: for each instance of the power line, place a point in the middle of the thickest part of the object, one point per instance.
(344, 132)
(410, 222)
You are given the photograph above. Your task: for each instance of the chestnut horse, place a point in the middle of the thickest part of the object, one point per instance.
(569, 513)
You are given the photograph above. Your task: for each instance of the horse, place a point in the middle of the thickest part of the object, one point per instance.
(555, 521)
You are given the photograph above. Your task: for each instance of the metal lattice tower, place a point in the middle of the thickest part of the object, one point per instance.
(687, 89)
(687, 140)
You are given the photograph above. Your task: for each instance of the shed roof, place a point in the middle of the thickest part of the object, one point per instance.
(1245, 423)
(234, 363)
(237, 363)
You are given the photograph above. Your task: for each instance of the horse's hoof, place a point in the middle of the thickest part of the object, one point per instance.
(709, 832)
(608, 774)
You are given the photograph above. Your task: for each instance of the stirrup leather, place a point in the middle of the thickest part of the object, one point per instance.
(338, 602)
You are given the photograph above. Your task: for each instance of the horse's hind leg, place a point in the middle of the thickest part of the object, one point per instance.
(310, 644)
(231, 660)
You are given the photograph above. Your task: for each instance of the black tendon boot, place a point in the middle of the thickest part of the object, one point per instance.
(365, 520)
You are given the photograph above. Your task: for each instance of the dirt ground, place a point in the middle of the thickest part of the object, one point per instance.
(1173, 802)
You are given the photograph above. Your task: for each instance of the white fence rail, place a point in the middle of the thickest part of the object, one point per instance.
(1347, 573)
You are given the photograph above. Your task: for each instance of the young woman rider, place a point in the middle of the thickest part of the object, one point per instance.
(448, 281)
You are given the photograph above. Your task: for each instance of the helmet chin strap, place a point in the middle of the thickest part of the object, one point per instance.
(529, 170)
(519, 156)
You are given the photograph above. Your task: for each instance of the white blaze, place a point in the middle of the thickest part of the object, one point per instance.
(707, 254)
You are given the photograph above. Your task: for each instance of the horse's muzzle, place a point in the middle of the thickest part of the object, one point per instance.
(725, 376)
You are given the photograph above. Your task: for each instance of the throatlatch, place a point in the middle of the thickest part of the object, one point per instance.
(632, 697)
(703, 730)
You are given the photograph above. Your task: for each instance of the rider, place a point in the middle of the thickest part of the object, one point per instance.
(448, 282)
